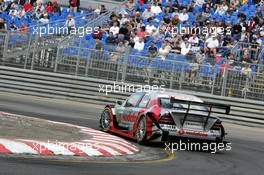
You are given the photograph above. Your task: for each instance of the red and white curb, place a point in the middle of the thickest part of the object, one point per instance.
(100, 144)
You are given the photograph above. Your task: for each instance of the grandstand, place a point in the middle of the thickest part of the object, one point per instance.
(223, 62)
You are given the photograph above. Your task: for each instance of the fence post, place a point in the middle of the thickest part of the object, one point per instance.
(57, 59)
(34, 50)
(225, 77)
(88, 61)
(28, 50)
(125, 64)
(172, 72)
(181, 77)
(78, 58)
(7, 37)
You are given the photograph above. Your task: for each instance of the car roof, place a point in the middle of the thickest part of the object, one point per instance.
(176, 95)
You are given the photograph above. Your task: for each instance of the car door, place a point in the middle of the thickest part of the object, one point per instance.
(126, 115)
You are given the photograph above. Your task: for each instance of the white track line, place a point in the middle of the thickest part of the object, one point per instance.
(132, 147)
(17, 147)
(118, 146)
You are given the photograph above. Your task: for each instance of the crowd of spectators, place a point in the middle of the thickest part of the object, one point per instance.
(19, 15)
(193, 29)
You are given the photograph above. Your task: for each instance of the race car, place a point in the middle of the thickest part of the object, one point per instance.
(161, 116)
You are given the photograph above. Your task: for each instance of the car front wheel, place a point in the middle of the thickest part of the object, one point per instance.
(105, 120)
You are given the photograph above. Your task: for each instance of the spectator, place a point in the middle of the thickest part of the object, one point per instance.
(73, 5)
(27, 6)
(155, 9)
(39, 7)
(221, 8)
(2, 25)
(44, 18)
(183, 16)
(23, 28)
(152, 50)
(246, 70)
(114, 29)
(13, 26)
(98, 45)
(194, 67)
(70, 24)
(56, 7)
(141, 33)
(139, 45)
(150, 29)
(212, 45)
(98, 34)
(130, 5)
(185, 47)
(164, 51)
(110, 39)
(147, 14)
(49, 7)
(120, 49)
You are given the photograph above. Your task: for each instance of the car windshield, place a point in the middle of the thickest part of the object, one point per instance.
(165, 103)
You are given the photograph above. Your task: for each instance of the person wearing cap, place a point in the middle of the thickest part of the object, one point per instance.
(147, 13)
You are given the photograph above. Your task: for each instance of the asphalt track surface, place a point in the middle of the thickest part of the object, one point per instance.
(246, 156)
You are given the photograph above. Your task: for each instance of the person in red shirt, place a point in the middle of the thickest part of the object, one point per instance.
(27, 6)
(73, 5)
(141, 34)
(49, 7)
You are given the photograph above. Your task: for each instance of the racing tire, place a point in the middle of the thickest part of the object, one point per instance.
(141, 132)
(105, 120)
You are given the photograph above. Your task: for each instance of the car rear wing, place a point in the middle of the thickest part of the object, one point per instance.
(208, 108)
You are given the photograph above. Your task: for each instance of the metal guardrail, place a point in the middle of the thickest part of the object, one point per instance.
(124, 67)
(55, 85)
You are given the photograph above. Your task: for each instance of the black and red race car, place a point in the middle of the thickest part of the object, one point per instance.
(147, 116)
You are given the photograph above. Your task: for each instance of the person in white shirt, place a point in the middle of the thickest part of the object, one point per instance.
(194, 40)
(44, 18)
(212, 44)
(199, 3)
(150, 29)
(70, 24)
(222, 8)
(184, 16)
(147, 13)
(139, 45)
(185, 47)
(156, 9)
(164, 50)
(114, 29)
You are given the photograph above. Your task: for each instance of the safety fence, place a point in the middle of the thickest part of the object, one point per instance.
(93, 90)
(241, 80)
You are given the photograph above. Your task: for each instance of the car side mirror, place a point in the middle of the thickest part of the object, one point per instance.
(119, 103)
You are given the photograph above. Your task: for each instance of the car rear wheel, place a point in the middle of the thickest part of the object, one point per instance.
(105, 120)
(141, 133)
